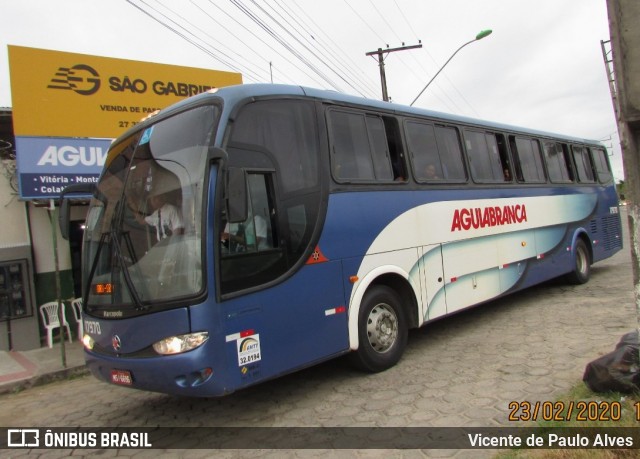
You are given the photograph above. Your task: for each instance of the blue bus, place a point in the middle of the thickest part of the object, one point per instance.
(251, 231)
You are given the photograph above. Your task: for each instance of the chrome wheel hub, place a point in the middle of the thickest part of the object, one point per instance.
(382, 328)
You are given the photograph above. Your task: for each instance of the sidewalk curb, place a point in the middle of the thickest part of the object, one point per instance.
(46, 378)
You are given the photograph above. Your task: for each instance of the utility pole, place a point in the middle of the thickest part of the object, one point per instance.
(382, 54)
(625, 94)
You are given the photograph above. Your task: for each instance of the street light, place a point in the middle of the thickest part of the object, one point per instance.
(480, 36)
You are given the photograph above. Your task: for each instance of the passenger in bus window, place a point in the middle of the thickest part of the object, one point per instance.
(431, 173)
(166, 218)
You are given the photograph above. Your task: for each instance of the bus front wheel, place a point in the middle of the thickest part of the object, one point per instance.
(382, 330)
(582, 264)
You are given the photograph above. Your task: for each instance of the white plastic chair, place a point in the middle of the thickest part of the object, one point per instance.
(76, 306)
(51, 320)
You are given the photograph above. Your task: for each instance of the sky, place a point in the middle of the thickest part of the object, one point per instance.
(541, 68)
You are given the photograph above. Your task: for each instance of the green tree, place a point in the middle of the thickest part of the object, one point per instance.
(620, 189)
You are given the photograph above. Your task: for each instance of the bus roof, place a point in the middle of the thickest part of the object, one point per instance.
(237, 93)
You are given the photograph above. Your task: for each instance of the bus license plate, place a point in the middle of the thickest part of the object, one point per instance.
(122, 377)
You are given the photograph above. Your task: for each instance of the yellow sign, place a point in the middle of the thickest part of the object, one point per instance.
(58, 94)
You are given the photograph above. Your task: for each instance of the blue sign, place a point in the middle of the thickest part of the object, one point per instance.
(46, 165)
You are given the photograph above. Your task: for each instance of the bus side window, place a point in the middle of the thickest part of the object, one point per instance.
(601, 165)
(450, 153)
(379, 148)
(256, 232)
(423, 148)
(504, 157)
(435, 152)
(250, 252)
(567, 160)
(582, 160)
(485, 156)
(527, 159)
(277, 142)
(517, 160)
(360, 149)
(558, 162)
(259, 227)
(350, 154)
(396, 153)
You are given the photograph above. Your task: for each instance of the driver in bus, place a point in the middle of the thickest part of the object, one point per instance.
(246, 236)
(166, 218)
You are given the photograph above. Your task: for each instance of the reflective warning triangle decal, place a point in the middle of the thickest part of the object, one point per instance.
(317, 257)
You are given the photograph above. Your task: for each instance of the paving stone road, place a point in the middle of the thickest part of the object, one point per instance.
(460, 371)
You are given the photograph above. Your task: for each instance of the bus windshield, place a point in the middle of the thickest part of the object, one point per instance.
(142, 241)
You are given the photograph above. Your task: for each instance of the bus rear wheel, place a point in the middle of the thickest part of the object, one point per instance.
(582, 264)
(382, 330)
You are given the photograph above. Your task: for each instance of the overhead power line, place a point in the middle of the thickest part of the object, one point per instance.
(360, 75)
(327, 56)
(250, 49)
(406, 20)
(291, 34)
(218, 55)
(284, 43)
(252, 32)
(434, 62)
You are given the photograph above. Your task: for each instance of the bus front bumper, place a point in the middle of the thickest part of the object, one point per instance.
(187, 374)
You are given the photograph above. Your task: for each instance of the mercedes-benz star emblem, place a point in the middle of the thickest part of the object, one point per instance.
(115, 342)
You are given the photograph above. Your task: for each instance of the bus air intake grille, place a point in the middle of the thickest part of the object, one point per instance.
(611, 232)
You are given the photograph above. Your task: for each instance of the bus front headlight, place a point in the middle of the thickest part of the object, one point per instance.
(180, 343)
(88, 342)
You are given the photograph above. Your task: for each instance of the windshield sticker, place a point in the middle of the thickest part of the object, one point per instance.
(248, 349)
(146, 136)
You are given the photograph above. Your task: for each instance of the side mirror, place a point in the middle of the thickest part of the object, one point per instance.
(237, 209)
(63, 216)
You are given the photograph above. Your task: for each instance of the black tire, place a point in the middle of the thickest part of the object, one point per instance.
(382, 330)
(582, 264)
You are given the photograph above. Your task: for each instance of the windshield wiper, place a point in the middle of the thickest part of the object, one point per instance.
(116, 235)
(127, 277)
(94, 265)
(111, 237)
